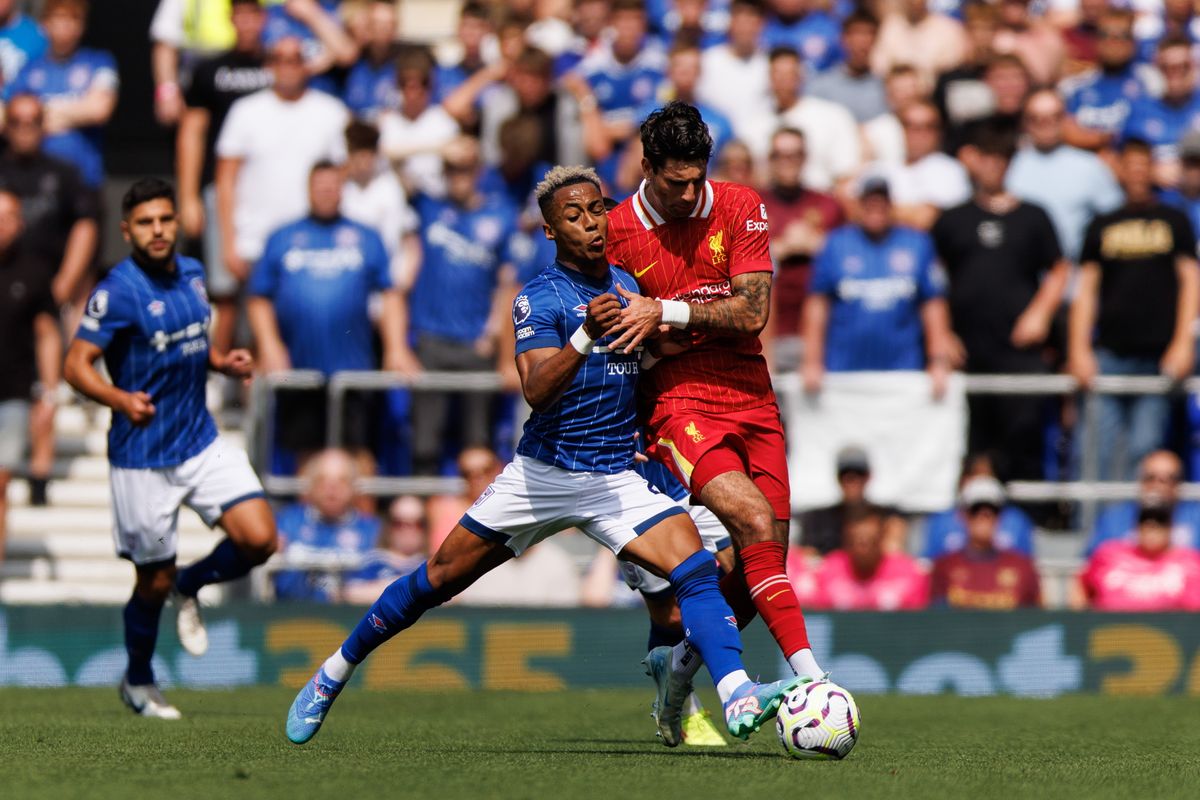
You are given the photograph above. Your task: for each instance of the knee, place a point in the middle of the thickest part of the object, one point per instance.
(758, 525)
(154, 587)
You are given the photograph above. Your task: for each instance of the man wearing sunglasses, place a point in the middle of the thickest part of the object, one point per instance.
(1159, 479)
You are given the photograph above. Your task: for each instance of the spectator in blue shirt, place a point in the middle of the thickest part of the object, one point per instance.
(1159, 477)
(877, 299)
(323, 533)
(1099, 100)
(474, 30)
(77, 87)
(21, 41)
(946, 531)
(460, 297)
(1173, 19)
(308, 309)
(370, 85)
(703, 22)
(815, 34)
(1186, 195)
(623, 74)
(1163, 121)
(403, 546)
(325, 43)
(1072, 185)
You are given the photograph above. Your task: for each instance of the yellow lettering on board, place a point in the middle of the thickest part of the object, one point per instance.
(1154, 656)
(391, 666)
(507, 650)
(316, 638)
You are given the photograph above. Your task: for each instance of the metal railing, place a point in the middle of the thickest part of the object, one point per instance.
(1087, 491)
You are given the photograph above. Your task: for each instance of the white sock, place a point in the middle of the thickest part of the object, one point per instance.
(692, 705)
(732, 681)
(685, 660)
(804, 665)
(337, 667)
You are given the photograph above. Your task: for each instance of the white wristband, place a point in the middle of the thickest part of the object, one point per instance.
(582, 342)
(676, 313)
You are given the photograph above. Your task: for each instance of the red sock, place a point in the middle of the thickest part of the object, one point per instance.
(733, 587)
(773, 596)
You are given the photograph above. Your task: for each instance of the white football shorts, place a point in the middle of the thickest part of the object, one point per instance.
(713, 536)
(146, 501)
(531, 500)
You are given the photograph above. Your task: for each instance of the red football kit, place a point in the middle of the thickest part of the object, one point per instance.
(716, 395)
(710, 410)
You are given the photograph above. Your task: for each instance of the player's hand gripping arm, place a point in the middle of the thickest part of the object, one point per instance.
(546, 373)
(236, 363)
(744, 313)
(80, 371)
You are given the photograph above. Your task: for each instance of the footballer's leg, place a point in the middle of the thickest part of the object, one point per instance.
(759, 532)
(250, 540)
(462, 559)
(666, 630)
(138, 688)
(671, 548)
(226, 493)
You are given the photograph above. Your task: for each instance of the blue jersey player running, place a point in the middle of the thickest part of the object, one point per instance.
(573, 469)
(149, 319)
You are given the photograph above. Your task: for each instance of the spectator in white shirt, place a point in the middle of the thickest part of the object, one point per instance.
(374, 196)
(413, 135)
(883, 136)
(929, 181)
(268, 143)
(834, 147)
(733, 76)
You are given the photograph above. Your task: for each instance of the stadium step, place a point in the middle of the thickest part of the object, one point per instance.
(67, 546)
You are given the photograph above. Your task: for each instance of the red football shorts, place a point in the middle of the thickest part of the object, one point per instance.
(698, 446)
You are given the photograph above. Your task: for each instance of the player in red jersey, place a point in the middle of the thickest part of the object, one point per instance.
(700, 249)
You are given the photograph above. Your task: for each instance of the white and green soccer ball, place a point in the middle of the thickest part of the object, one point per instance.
(818, 720)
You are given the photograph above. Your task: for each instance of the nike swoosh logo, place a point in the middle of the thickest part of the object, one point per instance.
(639, 273)
(771, 597)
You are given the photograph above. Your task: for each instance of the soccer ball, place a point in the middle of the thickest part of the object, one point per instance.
(818, 720)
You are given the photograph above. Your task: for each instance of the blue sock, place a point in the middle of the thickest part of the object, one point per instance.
(707, 619)
(224, 563)
(661, 636)
(141, 634)
(401, 604)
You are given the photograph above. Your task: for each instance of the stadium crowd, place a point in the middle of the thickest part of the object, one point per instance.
(989, 187)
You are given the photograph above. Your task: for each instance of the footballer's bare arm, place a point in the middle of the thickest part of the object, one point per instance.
(547, 372)
(744, 312)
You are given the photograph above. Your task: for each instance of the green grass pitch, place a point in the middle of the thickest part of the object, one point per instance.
(82, 743)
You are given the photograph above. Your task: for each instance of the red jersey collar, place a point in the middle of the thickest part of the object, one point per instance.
(651, 219)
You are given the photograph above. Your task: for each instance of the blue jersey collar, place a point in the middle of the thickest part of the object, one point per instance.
(579, 277)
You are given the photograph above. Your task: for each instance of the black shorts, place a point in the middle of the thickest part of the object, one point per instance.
(301, 415)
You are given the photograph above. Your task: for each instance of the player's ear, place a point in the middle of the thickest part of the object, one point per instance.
(125, 231)
(647, 168)
(548, 230)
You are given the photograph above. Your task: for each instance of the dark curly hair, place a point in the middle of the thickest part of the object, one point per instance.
(144, 191)
(676, 131)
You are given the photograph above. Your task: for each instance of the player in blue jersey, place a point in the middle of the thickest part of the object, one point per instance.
(572, 469)
(77, 86)
(877, 300)
(149, 319)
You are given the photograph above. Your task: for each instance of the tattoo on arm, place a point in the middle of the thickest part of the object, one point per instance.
(745, 312)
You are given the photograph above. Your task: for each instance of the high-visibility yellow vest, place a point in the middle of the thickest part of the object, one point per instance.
(206, 25)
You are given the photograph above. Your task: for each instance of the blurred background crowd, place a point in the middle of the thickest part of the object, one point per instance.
(1006, 187)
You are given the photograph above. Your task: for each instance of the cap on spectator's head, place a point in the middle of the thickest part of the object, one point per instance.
(1189, 146)
(982, 490)
(1155, 510)
(874, 184)
(853, 459)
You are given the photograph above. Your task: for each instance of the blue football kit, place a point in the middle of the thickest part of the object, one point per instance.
(591, 426)
(876, 289)
(463, 250)
(52, 79)
(153, 329)
(319, 275)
